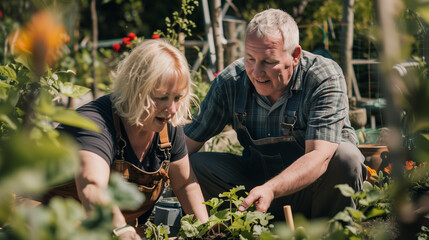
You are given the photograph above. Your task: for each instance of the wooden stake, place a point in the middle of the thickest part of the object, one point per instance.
(288, 216)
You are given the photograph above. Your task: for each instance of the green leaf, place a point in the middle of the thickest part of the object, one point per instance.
(346, 190)
(375, 212)
(72, 118)
(374, 196)
(214, 203)
(71, 90)
(222, 215)
(237, 225)
(7, 72)
(343, 216)
(352, 229)
(189, 228)
(364, 202)
(24, 60)
(46, 106)
(367, 186)
(232, 193)
(5, 118)
(246, 235)
(357, 214)
(124, 194)
(4, 85)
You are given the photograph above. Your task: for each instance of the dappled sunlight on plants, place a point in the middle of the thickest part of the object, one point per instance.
(34, 156)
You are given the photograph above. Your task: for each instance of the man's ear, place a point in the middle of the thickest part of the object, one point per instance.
(296, 55)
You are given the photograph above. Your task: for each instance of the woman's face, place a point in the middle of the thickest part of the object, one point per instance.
(167, 99)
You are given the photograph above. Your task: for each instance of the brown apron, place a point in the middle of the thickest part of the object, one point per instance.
(151, 184)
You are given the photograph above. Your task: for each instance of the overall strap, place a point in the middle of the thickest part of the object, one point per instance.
(241, 99)
(119, 140)
(164, 143)
(290, 113)
(293, 101)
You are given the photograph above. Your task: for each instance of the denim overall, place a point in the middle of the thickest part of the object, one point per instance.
(269, 156)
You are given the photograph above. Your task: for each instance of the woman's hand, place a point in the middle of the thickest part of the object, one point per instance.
(187, 189)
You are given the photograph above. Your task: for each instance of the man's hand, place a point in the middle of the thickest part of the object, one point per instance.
(261, 196)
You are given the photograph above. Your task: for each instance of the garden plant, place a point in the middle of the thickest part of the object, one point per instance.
(37, 77)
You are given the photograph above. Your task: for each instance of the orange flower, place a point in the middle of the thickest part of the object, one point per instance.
(43, 37)
(409, 165)
(371, 173)
(388, 168)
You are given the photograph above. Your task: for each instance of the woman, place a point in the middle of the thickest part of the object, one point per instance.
(151, 91)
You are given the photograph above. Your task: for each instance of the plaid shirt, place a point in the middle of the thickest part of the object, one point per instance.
(322, 113)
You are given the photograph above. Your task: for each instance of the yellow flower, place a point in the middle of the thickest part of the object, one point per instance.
(43, 37)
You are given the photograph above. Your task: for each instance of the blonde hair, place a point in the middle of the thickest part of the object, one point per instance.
(272, 21)
(150, 65)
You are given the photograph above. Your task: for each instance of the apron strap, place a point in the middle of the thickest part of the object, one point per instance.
(165, 145)
(164, 141)
(120, 142)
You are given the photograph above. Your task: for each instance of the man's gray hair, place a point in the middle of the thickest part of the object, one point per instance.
(272, 21)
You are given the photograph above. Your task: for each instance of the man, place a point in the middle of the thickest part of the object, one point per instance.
(289, 109)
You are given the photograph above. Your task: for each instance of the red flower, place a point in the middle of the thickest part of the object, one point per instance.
(132, 36)
(1, 14)
(216, 73)
(155, 36)
(126, 41)
(116, 47)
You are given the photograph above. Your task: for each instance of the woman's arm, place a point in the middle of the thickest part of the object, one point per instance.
(187, 189)
(91, 182)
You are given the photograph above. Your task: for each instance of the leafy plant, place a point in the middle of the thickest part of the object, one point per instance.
(156, 232)
(181, 26)
(35, 157)
(227, 223)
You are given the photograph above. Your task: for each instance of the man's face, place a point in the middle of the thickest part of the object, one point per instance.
(268, 66)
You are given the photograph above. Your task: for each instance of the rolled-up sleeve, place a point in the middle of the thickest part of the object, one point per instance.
(214, 114)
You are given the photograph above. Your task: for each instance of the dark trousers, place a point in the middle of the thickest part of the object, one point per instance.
(219, 172)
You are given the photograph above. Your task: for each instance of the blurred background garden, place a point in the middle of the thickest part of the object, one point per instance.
(56, 55)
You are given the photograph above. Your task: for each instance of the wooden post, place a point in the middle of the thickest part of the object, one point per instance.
(231, 35)
(288, 216)
(216, 15)
(94, 48)
(346, 39)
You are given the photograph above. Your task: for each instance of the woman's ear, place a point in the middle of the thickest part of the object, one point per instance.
(296, 55)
